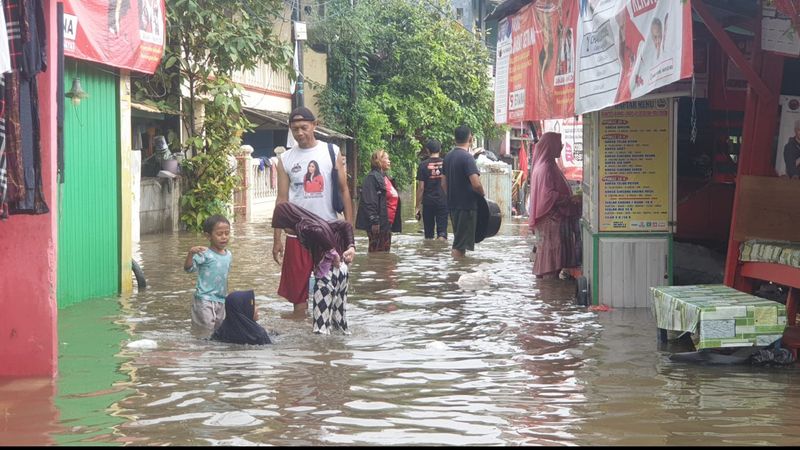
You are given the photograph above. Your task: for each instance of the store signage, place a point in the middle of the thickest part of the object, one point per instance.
(634, 160)
(121, 33)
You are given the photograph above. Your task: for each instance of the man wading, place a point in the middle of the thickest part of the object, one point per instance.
(462, 182)
(293, 165)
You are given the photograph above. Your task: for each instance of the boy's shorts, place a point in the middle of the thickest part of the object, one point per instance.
(464, 223)
(207, 314)
(297, 266)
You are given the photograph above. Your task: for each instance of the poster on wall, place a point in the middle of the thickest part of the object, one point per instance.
(634, 166)
(501, 71)
(628, 48)
(571, 161)
(128, 34)
(535, 72)
(789, 135)
(777, 32)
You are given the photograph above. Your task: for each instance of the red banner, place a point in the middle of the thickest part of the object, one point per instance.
(128, 34)
(541, 67)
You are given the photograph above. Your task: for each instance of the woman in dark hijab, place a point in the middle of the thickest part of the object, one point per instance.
(326, 241)
(240, 326)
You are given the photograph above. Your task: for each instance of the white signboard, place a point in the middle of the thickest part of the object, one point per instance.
(790, 117)
(777, 33)
(628, 48)
(501, 71)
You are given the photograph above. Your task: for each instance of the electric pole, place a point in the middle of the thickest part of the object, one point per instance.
(298, 27)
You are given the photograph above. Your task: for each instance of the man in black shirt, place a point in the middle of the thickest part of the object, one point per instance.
(791, 153)
(430, 196)
(462, 182)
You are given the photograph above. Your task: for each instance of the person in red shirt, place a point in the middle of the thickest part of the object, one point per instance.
(379, 205)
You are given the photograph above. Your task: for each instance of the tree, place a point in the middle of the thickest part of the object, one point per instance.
(401, 72)
(208, 40)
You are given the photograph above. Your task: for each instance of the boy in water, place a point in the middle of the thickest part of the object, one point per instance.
(212, 265)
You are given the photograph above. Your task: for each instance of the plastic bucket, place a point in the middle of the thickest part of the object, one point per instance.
(489, 219)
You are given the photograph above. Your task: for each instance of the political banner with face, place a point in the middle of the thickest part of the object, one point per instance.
(128, 34)
(628, 48)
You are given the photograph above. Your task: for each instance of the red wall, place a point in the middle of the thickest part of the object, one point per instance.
(28, 310)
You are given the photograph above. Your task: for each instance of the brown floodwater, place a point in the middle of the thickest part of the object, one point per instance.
(514, 362)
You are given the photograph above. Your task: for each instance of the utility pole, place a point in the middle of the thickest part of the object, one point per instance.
(298, 25)
(352, 156)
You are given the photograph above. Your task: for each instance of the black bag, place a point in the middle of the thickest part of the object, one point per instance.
(336, 195)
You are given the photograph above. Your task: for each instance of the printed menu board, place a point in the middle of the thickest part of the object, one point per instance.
(635, 166)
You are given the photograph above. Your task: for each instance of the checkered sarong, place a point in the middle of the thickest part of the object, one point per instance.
(330, 301)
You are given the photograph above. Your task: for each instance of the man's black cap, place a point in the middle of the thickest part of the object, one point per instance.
(301, 113)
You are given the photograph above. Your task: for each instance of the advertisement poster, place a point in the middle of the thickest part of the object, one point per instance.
(128, 34)
(628, 48)
(790, 130)
(535, 72)
(571, 161)
(634, 167)
(777, 32)
(501, 71)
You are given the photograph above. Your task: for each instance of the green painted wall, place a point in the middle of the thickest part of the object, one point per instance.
(88, 216)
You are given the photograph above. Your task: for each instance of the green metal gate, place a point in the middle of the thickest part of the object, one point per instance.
(89, 198)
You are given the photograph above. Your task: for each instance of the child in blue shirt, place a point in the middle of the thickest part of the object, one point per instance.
(212, 265)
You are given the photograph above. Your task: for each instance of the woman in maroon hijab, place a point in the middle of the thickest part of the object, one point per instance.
(327, 242)
(551, 209)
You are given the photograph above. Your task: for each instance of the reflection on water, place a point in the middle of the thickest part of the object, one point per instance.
(515, 362)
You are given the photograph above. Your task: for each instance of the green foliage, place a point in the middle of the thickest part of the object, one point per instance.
(208, 40)
(417, 74)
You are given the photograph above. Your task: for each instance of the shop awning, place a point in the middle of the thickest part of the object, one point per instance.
(275, 119)
(148, 111)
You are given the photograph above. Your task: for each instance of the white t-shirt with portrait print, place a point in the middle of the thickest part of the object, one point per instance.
(309, 195)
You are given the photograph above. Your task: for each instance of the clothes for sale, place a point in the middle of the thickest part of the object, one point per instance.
(25, 27)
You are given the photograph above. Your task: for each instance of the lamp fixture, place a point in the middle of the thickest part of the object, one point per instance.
(76, 94)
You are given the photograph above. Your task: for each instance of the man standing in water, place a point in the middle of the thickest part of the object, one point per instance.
(461, 182)
(296, 263)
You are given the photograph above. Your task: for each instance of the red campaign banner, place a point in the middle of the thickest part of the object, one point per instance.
(128, 34)
(535, 76)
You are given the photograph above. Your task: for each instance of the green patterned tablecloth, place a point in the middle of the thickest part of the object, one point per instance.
(718, 316)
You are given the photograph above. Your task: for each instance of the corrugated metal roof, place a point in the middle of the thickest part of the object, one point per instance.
(282, 119)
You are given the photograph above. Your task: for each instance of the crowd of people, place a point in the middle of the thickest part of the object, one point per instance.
(320, 245)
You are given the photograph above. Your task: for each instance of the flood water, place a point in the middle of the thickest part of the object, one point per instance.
(515, 362)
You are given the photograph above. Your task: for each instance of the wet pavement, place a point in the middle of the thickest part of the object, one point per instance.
(515, 362)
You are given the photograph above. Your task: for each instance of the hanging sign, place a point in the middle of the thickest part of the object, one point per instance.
(535, 69)
(628, 48)
(128, 34)
(634, 162)
(571, 160)
(501, 70)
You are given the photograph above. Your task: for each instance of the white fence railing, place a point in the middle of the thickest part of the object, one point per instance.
(264, 77)
(263, 180)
